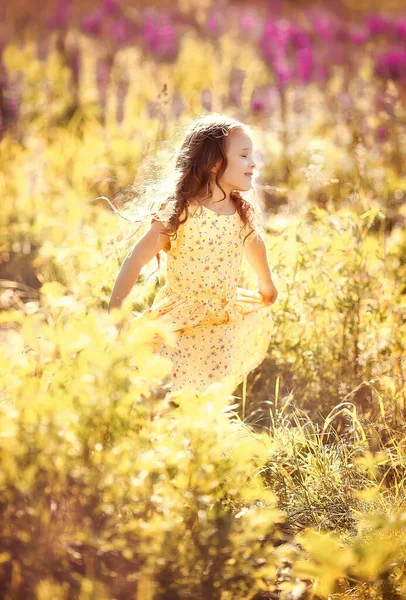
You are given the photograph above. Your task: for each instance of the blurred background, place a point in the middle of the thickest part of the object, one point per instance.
(296, 71)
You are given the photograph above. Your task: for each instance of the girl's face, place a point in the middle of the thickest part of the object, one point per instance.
(240, 164)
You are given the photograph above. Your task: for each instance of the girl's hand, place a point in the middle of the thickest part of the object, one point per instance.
(267, 291)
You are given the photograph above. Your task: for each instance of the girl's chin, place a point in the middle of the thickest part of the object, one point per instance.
(243, 188)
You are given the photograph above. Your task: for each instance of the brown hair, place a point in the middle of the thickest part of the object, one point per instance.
(202, 147)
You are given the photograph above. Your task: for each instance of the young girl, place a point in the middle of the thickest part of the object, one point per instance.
(205, 227)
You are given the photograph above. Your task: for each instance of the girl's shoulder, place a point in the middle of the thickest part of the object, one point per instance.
(165, 211)
(194, 209)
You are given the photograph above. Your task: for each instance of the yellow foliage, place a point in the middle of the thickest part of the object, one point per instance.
(328, 563)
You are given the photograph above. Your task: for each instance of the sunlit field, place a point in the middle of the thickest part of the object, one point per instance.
(291, 486)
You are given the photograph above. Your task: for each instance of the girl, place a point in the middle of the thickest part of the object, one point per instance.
(205, 227)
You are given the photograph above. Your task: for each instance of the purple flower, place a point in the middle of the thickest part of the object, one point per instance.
(119, 30)
(327, 27)
(151, 33)
(275, 6)
(282, 70)
(248, 22)
(214, 23)
(91, 24)
(358, 36)
(381, 133)
(301, 39)
(283, 32)
(267, 43)
(257, 104)
(4, 82)
(262, 99)
(391, 65)
(13, 101)
(377, 25)
(304, 64)
(270, 27)
(284, 75)
(276, 38)
(60, 17)
(160, 36)
(323, 27)
(401, 28)
(110, 7)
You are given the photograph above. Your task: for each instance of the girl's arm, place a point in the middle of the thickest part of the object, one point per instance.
(255, 253)
(154, 240)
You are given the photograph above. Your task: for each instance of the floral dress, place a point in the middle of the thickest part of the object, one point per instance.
(222, 330)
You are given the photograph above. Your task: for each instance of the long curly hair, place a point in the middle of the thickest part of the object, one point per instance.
(188, 181)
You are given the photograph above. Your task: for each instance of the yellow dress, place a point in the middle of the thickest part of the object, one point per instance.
(221, 329)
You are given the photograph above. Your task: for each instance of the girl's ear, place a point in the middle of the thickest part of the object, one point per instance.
(216, 166)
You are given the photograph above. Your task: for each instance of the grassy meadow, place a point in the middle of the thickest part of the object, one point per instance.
(291, 486)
